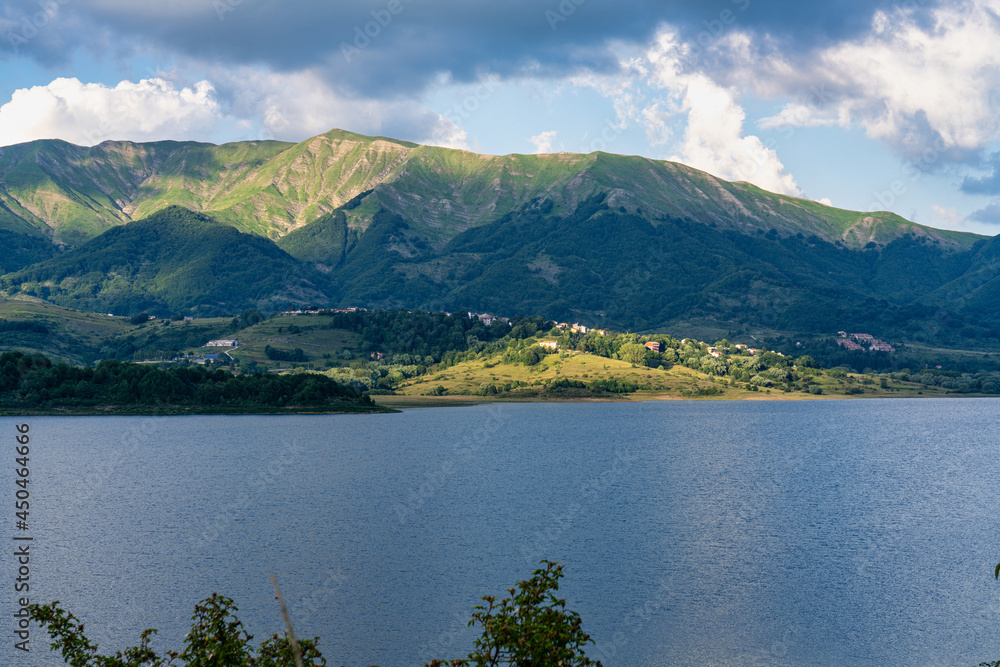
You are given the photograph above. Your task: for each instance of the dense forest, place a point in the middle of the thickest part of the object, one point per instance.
(174, 260)
(32, 382)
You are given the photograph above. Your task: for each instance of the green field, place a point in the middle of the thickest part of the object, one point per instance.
(73, 336)
(287, 332)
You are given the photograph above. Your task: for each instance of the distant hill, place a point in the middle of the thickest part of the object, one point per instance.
(173, 260)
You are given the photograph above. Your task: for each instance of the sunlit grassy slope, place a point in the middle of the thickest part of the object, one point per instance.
(269, 188)
(467, 378)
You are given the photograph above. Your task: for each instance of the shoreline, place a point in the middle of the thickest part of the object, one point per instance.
(402, 401)
(182, 411)
(394, 403)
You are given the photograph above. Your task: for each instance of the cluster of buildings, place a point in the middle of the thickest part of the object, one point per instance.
(579, 328)
(863, 341)
(313, 310)
(486, 318)
(752, 351)
(208, 358)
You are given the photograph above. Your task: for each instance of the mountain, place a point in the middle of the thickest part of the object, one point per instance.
(345, 219)
(174, 260)
(603, 265)
(72, 193)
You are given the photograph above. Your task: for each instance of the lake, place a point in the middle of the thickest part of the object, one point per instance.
(859, 532)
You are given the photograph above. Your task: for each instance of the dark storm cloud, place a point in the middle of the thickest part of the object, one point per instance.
(987, 185)
(989, 215)
(391, 47)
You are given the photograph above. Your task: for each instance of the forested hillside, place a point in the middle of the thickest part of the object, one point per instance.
(174, 260)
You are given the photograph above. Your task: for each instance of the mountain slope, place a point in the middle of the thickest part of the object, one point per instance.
(174, 260)
(269, 188)
(602, 265)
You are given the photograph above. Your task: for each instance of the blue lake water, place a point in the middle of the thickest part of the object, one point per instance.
(692, 533)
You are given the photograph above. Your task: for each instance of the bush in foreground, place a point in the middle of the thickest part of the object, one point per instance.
(530, 627)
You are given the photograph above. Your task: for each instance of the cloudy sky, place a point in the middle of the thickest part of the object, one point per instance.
(865, 105)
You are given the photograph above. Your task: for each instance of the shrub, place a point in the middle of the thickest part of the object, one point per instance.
(217, 639)
(529, 627)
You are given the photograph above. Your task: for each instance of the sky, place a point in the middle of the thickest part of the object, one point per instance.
(858, 104)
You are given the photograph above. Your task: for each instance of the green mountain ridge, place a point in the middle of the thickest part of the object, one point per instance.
(72, 193)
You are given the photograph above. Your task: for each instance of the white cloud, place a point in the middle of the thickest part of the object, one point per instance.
(657, 118)
(543, 141)
(238, 104)
(447, 135)
(803, 115)
(622, 88)
(916, 85)
(825, 201)
(947, 217)
(713, 140)
(655, 90)
(905, 74)
(295, 105)
(89, 113)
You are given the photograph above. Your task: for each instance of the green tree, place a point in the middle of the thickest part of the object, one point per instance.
(531, 627)
(805, 361)
(247, 318)
(632, 353)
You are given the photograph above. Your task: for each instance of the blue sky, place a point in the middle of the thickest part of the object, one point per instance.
(865, 105)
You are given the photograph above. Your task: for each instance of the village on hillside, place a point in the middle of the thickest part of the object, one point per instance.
(863, 341)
